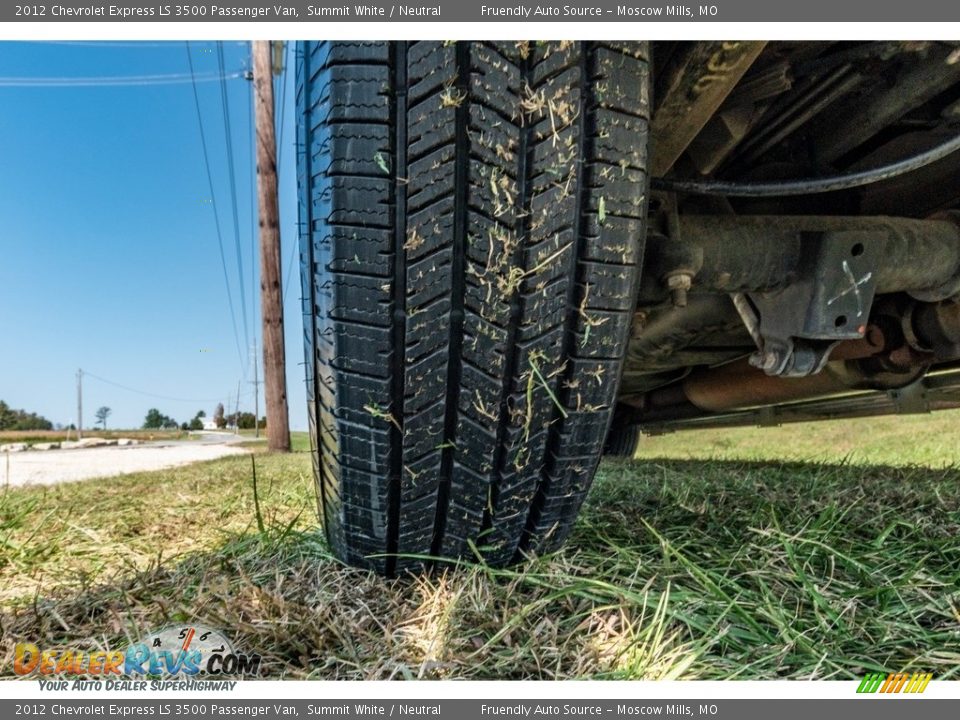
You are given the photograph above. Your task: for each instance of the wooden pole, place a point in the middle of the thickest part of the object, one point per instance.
(79, 404)
(236, 411)
(271, 288)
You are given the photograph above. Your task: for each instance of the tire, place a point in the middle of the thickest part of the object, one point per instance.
(468, 286)
(622, 441)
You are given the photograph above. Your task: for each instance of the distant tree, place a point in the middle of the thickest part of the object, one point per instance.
(33, 422)
(102, 414)
(248, 421)
(197, 422)
(156, 420)
(263, 421)
(245, 420)
(184, 427)
(218, 418)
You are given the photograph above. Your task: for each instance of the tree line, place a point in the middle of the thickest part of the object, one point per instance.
(11, 419)
(156, 420)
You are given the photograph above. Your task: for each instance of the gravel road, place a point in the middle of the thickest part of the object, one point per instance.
(55, 466)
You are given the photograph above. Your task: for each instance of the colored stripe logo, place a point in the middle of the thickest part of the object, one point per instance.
(894, 683)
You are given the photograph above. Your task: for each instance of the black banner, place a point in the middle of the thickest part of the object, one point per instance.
(877, 708)
(619, 11)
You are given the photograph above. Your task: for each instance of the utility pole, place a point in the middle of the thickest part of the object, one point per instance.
(79, 404)
(256, 393)
(271, 288)
(236, 411)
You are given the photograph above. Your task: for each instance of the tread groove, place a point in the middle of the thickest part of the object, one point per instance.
(398, 190)
(458, 300)
(524, 160)
(533, 513)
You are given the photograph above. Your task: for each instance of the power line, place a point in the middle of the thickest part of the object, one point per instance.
(293, 255)
(296, 243)
(216, 215)
(118, 80)
(231, 171)
(87, 373)
(253, 209)
(93, 43)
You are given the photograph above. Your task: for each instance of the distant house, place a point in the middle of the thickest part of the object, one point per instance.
(209, 425)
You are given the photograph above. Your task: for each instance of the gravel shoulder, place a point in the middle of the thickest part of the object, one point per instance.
(49, 468)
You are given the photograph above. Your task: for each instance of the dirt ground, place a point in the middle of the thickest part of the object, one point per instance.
(56, 466)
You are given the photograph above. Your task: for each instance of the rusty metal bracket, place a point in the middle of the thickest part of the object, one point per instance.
(830, 301)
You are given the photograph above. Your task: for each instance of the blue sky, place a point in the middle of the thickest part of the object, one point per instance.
(108, 249)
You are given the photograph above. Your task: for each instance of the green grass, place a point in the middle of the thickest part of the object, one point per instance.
(927, 440)
(816, 551)
(299, 441)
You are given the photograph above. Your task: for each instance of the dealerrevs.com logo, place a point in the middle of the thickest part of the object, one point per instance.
(893, 683)
(171, 658)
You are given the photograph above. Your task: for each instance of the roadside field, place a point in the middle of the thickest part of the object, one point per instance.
(816, 551)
